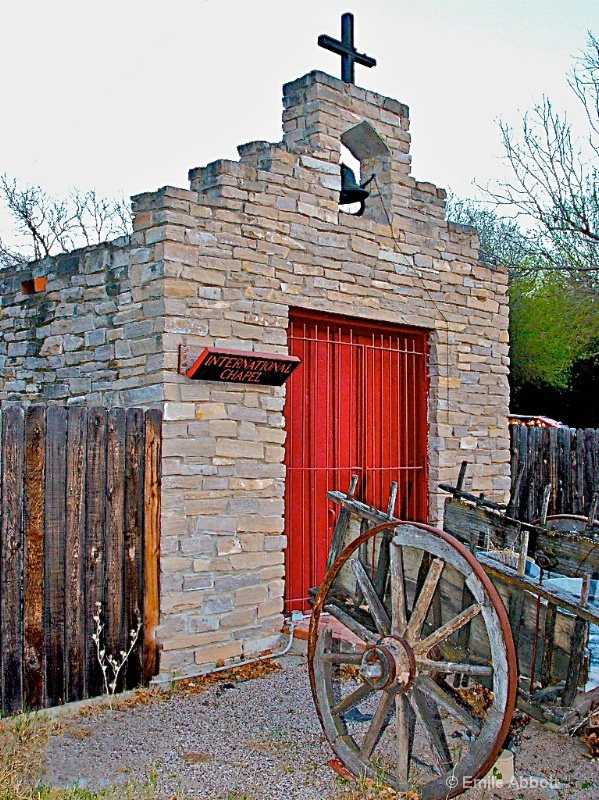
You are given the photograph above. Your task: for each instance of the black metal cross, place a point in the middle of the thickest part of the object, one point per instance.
(346, 49)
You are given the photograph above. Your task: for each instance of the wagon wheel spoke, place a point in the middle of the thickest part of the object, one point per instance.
(429, 715)
(352, 624)
(398, 593)
(404, 732)
(352, 699)
(433, 691)
(425, 598)
(426, 644)
(377, 725)
(448, 667)
(377, 609)
(353, 659)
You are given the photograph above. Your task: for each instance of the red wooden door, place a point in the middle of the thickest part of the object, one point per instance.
(355, 405)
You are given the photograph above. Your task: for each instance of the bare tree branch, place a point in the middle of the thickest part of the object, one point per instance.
(49, 225)
(502, 242)
(554, 182)
(584, 81)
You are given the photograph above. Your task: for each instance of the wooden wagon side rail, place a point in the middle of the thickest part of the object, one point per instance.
(554, 596)
(573, 554)
(544, 642)
(359, 509)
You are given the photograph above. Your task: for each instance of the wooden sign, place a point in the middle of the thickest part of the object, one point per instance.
(236, 366)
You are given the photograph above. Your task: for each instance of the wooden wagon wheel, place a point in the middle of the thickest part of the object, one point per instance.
(386, 676)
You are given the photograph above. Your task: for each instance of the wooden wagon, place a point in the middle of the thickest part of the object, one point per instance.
(421, 640)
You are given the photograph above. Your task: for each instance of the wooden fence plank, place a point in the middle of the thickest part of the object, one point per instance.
(11, 554)
(79, 525)
(579, 494)
(553, 471)
(515, 465)
(544, 475)
(33, 567)
(565, 458)
(590, 467)
(75, 611)
(54, 553)
(543, 480)
(517, 471)
(560, 487)
(95, 562)
(572, 473)
(516, 506)
(152, 480)
(116, 634)
(537, 476)
(525, 459)
(566, 471)
(525, 510)
(133, 536)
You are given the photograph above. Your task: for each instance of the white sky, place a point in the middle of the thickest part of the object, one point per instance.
(125, 97)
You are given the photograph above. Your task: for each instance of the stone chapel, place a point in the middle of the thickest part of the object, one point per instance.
(400, 331)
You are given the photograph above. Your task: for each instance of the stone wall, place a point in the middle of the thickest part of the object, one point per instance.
(220, 264)
(92, 335)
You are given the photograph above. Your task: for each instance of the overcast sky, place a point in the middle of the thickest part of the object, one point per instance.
(125, 97)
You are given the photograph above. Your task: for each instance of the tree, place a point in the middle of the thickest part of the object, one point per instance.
(554, 319)
(554, 177)
(554, 325)
(501, 240)
(553, 263)
(45, 225)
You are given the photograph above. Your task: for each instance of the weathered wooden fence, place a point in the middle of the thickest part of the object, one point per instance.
(79, 525)
(567, 459)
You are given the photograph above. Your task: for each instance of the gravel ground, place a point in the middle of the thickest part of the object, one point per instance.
(261, 737)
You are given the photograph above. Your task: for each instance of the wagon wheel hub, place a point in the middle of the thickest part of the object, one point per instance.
(390, 664)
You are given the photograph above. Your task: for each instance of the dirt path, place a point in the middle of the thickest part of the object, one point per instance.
(262, 738)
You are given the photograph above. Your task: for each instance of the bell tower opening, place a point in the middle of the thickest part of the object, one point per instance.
(360, 147)
(349, 161)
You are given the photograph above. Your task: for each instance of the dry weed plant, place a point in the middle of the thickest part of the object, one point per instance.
(111, 665)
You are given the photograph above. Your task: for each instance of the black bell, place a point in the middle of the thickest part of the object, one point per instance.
(351, 190)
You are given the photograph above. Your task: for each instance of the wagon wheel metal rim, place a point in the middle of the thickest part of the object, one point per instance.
(580, 522)
(398, 662)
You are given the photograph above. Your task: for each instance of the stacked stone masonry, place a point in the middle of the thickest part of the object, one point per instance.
(220, 265)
